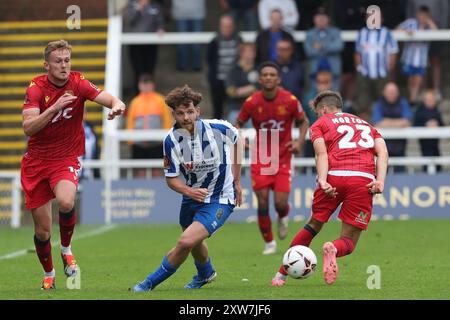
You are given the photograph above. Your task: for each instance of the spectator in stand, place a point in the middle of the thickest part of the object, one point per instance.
(323, 82)
(415, 53)
(144, 16)
(439, 11)
(375, 60)
(242, 11)
(288, 9)
(349, 15)
(189, 17)
(147, 111)
(222, 55)
(428, 115)
(266, 41)
(393, 111)
(290, 69)
(242, 81)
(324, 42)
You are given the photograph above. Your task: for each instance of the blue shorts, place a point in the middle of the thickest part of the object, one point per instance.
(211, 215)
(413, 71)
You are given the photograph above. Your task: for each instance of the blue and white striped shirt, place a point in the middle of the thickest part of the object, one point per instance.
(375, 46)
(204, 158)
(415, 53)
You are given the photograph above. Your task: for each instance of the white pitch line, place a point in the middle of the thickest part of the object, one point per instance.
(92, 233)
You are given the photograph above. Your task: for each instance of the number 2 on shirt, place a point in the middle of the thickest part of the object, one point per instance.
(366, 140)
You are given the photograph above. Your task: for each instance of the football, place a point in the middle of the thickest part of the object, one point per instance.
(299, 262)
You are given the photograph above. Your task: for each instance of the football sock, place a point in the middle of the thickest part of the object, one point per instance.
(50, 274)
(302, 238)
(67, 223)
(344, 246)
(66, 250)
(283, 213)
(204, 270)
(164, 271)
(44, 253)
(265, 225)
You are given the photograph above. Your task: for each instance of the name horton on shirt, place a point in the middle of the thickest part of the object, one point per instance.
(151, 201)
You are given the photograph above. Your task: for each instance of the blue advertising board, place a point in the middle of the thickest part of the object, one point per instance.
(151, 201)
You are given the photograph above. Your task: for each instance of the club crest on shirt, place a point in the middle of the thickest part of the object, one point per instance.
(260, 110)
(46, 99)
(31, 84)
(282, 110)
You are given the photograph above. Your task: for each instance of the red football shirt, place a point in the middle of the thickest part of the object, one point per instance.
(349, 139)
(63, 136)
(275, 117)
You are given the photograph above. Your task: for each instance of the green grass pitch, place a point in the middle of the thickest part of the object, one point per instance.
(413, 256)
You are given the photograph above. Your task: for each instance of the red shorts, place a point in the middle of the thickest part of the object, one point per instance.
(39, 178)
(356, 201)
(280, 182)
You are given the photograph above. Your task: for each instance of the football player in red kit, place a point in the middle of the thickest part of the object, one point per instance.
(345, 146)
(52, 119)
(273, 111)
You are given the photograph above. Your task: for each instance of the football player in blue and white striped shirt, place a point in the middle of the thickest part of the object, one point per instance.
(206, 153)
(415, 53)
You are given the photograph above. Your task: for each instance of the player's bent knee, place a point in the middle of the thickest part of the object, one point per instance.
(281, 206)
(66, 205)
(42, 234)
(186, 244)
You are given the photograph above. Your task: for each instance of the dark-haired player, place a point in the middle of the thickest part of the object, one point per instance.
(273, 111)
(345, 146)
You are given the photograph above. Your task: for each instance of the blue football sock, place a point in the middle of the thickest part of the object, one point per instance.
(164, 271)
(204, 270)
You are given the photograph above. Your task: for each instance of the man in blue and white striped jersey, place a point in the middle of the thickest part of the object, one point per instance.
(375, 58)
(415, 53)
(206, 153)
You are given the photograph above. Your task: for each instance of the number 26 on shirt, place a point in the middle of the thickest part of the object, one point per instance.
(366, 140)
(62, 114)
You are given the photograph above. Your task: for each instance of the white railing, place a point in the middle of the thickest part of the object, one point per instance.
(16, 197)
(250, 36)
(114, 163)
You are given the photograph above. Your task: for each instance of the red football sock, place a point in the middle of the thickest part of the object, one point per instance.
(265, 226)
(302, 238)
(67, 223)
(44, 253)
(344, 246)
(285, 212)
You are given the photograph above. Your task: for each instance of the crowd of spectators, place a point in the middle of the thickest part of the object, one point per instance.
(369, 72)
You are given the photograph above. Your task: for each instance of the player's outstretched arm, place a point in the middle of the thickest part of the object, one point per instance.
(197, 194)
(34, 121)
(320, 150)
(115, 104)
(381, 152)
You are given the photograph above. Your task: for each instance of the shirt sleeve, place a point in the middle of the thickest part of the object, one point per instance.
(392, 45)
(171, 160)
(299, 114)
(87, 89)
(375, 133)
(33, 97)
(244, 114)
(315, 131)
